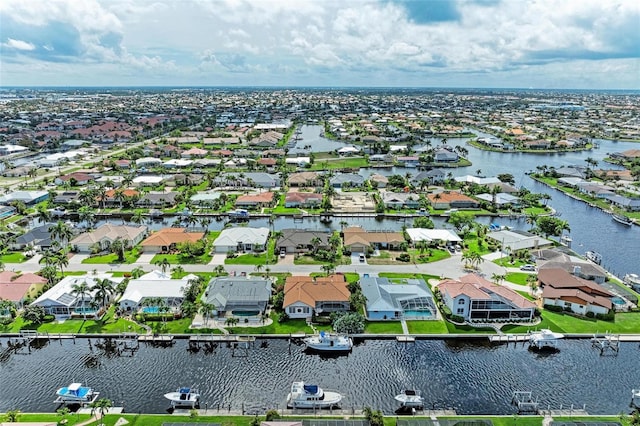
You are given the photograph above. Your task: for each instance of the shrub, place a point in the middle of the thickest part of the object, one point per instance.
(456, 318)
(404, 257)
(609, 316)
(553, 308)
(590, 314)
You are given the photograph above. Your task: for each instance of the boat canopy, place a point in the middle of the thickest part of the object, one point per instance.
(185, 390)
(311, 388)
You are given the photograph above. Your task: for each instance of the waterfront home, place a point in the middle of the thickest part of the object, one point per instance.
(302, 241)
(397, 298)
(63, 300)
(256, 201)
(474, 298)
(348, 151)
(358, 240)
(147, 180)
(433, 177)
(300, 162)
(561, 288)
(167, 239)
(446, 236)
(478, 180)
(303, 199)
(248, 180)
(305, 179)
(241, 239)
(353, 202)
(513, 240)
(153, 291)
(29, 198)
(66, 198)
(500, 200)
(107, 234)
(206, 198)
(74, 179)
(237, 296)
(346, 180)
(450, 200)
(158, 199)
(306, 296)
(179, 163)
(116, 197)
(378, 181)
(408, 161)
(624, 202)
(18, 288)
(148, 162)
(7, 211)
(445, 156)
(38, 238)
(400, 200)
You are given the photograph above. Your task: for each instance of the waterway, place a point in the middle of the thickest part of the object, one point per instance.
(470, 377)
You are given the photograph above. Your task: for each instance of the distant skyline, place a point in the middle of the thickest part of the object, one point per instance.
(541, 44)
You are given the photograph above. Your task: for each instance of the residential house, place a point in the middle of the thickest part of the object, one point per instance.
(569, 291)
(303, 199)
(194, 152)
(346, 180)
(305, 179)
(474, 298)
(147, 180)
(306, 296)
(74, 179)
(63, 300)
(400, 200)
(358, 240)
(378, 181)
(249, 179)
(38, 238)
(238, 296)
(157, 199)
(408, 161)
(256, 201)
(29, 198)
(396, 299)
(302, 241)
(167, 239)
(446, 236)
(20, 288)
(107, 234)
(500, 200)
(432, 177)
(514, 240)
(156, 287)
(445, 156)
(116, 197)
(241, 239)
(450, 200)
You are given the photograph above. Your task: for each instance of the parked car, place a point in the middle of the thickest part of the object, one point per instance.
(361, 257)
(283, 253)
(528, 267)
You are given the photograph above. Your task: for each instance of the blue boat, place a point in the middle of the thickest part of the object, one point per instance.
(75, 393)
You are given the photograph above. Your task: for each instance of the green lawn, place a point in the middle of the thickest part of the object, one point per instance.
(288, 327)
(519, 278)
(425, 277)
(427, 327)
(130, 256)
(628, 322)
(107, 325)
(247, 259)
(177, 259)
(13, 258)
(339, 163)
(424, 257)
(383, 327)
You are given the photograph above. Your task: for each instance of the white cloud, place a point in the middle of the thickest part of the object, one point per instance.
(19, 44)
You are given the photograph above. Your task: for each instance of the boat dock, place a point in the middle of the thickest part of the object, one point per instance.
(508, 338)
(525, 402)
(162, 339)
(607, 343)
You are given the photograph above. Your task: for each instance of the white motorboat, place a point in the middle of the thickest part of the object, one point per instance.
(75, 393)
(594, 256)
(635, 397)
(328, 342)
(239, 214)
(184, 397)
(622, 219)
(410, 398)
(311, 396)
(544, 338)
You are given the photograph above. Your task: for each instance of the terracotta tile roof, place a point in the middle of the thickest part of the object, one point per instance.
(445, 197)
(263, 197)
(168, 236)
(309, 291)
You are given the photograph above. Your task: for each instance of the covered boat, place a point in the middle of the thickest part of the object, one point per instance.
(544, 338)
(184, 397)
(328, 342)
(410, 398)
(75, 393)
(311, 396)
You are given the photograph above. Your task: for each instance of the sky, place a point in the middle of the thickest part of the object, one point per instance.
(563, 44)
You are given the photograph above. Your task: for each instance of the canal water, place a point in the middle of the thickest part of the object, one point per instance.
(470, 377)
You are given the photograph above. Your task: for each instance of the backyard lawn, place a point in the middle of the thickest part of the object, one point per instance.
(427, 327)
(130, 256)
(383, 327)
(13, 258)
(627, 322)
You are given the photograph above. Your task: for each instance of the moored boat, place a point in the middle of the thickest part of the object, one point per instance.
(184, 397)
(410, 398)
(311, 396)
(622, 219)
(544, 338)
(75, 393)
(594, 257)
(328, 342)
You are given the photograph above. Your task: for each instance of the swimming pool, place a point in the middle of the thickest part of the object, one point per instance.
(417, 313)
(150, 310)
(246, 313)
(618, 300)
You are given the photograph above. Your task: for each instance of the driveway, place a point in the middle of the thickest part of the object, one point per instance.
(355, 259)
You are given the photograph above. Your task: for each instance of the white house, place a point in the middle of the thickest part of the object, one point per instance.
(63, 301)
(107, 234)
(241, 239)
(154, 285)
(429, 235)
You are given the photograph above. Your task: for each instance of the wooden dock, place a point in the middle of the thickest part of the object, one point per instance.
(161, 338)
(406, 339)
(508, 338)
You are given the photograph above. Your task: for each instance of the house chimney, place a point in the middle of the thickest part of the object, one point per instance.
(576, 270)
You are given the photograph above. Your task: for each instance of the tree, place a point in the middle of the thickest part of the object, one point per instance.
(206, 309)
(118, 247)
(423, 222)
(375, 418)
(328, 268)
(137, 272)
(104, 288)
(81, 290)
(462, 222)
(33, 314)
(349, 323)
(61, 231)
(101, 406)
(177, 271)
(549, 225)
(12, 415)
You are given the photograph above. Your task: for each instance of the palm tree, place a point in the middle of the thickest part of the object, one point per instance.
(137, 272)
(86, 214)
(137, 218)
(61, 231)
(81, 290)
(104, 289)
(164, 264)
(328, 268)
(61, 260)
(498, 278)
(206, 309)
(102, 406)
(259, 267)
(43, 214)
(219, 269)
(178, 270)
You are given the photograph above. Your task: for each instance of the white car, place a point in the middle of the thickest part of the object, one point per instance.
(528, 268)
